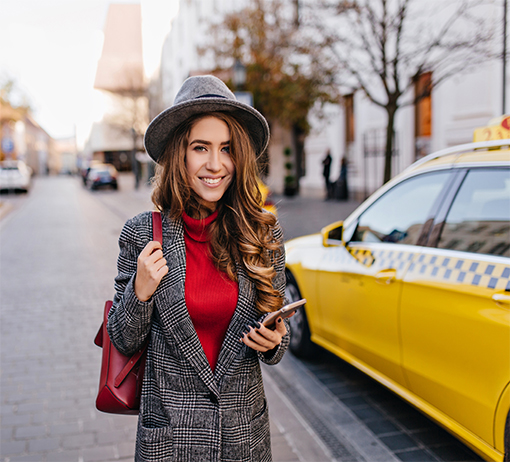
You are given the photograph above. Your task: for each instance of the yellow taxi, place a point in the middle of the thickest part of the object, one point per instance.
(267, 203)
(413, 289)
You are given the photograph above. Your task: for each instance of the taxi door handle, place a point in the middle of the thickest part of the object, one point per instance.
(502, 299)
(386, 276)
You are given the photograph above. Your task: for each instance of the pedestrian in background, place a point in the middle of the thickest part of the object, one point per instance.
(326, 172)
(199, 298)
(342, 189)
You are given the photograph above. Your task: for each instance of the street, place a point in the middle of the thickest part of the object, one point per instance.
(58, 251)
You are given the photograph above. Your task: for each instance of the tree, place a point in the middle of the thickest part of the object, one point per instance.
(14, 103)
(129, 111)
(382, 46)
(14, 106)
(286, 79)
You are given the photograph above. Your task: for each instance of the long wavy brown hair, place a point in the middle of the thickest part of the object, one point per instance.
(242, 233)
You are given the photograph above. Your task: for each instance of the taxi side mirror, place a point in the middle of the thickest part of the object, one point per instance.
(332, 234)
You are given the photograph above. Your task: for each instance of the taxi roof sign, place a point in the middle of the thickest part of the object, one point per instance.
(498, 129)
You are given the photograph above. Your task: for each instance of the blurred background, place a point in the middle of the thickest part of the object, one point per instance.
(377, 84)
(354, 91)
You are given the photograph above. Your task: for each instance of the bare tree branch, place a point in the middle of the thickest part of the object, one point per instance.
(382, 46)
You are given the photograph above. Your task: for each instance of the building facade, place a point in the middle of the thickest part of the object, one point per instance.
(354, 129)
(118, 137)
(22, 138)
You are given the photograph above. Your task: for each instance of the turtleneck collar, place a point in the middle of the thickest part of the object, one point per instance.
(198, 229)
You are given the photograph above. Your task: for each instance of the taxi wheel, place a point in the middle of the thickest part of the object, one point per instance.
(300, 343)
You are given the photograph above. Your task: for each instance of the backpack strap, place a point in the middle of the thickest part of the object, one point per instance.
(157, 235)
(157, 227)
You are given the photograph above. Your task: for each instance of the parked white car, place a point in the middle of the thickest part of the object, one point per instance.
(15, 175)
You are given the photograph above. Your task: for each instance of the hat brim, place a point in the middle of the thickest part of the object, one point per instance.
(162, 128)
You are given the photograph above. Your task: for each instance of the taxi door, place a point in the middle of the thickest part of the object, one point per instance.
(455, 310)
(360, 285)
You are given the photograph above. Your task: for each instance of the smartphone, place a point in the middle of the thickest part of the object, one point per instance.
(284, 312)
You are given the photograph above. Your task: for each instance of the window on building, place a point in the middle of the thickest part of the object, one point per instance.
(423, 113)
(349, 118)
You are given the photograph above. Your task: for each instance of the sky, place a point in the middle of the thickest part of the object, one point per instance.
(51, 49)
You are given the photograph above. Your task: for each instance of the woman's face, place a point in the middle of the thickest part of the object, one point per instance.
(208, 162)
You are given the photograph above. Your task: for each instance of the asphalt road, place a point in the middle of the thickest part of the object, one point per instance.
(57, 263)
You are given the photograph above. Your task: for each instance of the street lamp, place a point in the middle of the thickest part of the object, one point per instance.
(239, 76)
(239, 81)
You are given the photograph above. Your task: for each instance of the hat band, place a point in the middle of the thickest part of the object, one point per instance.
(211, 96)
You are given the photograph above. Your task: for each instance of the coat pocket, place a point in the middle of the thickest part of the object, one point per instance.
(154, 444)
(260, 438)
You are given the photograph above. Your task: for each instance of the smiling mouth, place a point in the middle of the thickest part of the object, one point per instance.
(211, 181)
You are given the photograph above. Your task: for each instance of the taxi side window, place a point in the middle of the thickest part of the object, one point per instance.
(479, 218)
(398, 215)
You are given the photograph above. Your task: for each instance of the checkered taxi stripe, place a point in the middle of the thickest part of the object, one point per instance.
(462, 271)
(442, 268)
(382, 258)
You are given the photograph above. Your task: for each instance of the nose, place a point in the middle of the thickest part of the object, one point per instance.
(214, 161)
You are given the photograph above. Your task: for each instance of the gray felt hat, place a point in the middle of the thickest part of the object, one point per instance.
(197, 95)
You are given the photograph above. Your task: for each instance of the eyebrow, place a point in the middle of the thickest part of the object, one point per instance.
(208, 143)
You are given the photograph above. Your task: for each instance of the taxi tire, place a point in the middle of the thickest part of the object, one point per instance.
(300, 344)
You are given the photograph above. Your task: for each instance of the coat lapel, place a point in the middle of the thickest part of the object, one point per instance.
(172, 310)
(244, 314)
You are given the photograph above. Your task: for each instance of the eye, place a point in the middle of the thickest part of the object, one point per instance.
(226, 149)
(199, 148)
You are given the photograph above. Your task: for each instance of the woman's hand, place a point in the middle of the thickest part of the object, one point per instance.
(150, 269)
(263, 339)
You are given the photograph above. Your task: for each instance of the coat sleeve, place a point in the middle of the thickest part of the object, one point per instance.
(279, 282)
(129, 319)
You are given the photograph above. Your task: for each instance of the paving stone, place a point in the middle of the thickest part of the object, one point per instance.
(72, 415)
(62, 404)
(433, 436)
(99, 453)
(382, 427)
(354, 402)
(85, 440)
(43, 444)
(29, 432)
(28, 458)
(6, 433)
(416, 455)
(65, 429)
(12, 447)
(15, 420)
(103, 424)
(64, 456)
(126, 449)
(110, 437)
(46, 417)
(367, 413)
(398, 442)
(412, 420)
(27, 408)
(7, 410)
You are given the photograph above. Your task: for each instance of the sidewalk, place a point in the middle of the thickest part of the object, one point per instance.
(57, 254)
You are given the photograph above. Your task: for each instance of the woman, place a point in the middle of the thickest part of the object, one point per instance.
(198, 297)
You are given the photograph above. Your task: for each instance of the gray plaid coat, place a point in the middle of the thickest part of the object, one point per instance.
(187, 412)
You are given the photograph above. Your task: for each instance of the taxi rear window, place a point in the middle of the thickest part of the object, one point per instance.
(479, 218)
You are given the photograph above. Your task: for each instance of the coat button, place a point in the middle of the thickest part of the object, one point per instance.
(213, 398)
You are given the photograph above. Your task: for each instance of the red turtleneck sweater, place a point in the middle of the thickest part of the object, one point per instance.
(211, 297)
